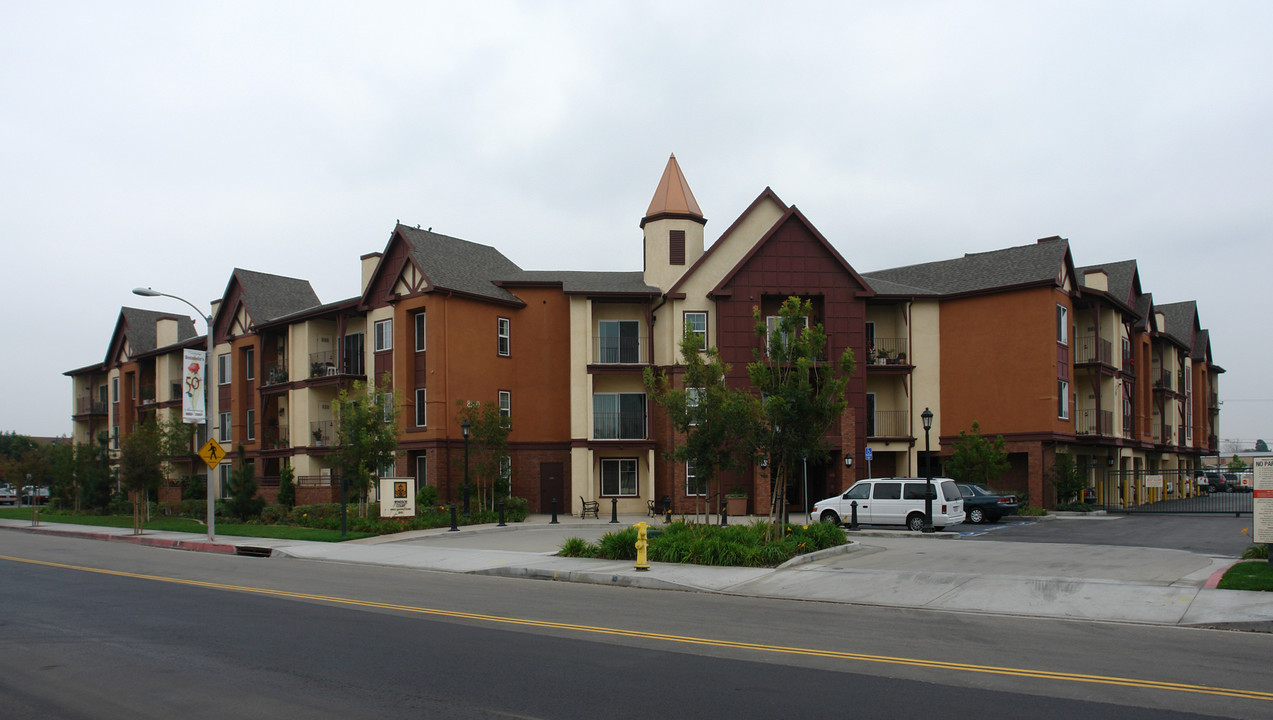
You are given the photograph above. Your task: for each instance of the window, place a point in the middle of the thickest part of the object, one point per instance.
(114, 437)
(223, 369)
(618, 416)
(223, 475)
(386, 407)
(384, 335)
(502, 331)
(676, 247)
(419, 332)
(421, 407)
(505, 404)
(870, 414)
(1062, 324)
(773, 323)
(619, 477)
(421, 470)
(114, 389)
(506, 469)
(696, 322)
(888, 491)
(353, 361)
(223, 427)
(1063, 399)
(693, 485)
(692, 396)
(249, 364)
(870, 334)
(619, 341)
(251, 424)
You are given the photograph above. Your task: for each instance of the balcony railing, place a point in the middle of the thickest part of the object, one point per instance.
(89, 406)
(322, 364)
(889, 351)
(275, 437)
(1094, 349)
(322, 433)
(618, 426)
(274, 374)
(1094, 422)
(314, 480)
(147, 394)
(889, 423)
(620, 351)
(1129, 426)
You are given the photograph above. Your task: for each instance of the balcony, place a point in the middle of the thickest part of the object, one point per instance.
(274, 374)
(888, 351)
(1094, 422)
(1129, 426)
(147, 394)
(89, 406)
(1094, 349)
(618, 426)
(889, 423)
(323, 364)
(275, 437)
(620, 351)
(322, 433)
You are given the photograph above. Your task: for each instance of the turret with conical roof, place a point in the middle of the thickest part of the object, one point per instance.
(673, 228)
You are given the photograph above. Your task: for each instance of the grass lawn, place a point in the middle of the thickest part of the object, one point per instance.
(176, 524)
(1249, 575)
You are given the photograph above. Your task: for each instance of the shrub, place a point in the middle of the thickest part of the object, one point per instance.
(274, 514)
(425, 498)
(1073, 507)
(578, 547)
(618, 545)
(1256, 552)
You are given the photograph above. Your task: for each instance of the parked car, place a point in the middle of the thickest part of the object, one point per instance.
(986, 506)
(8, 496)
(41, 495)
(1210, 482)
(893, 501)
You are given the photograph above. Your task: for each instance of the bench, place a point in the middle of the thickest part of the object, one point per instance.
(654, 509)
(589, 506)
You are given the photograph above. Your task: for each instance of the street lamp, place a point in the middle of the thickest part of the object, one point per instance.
(207, 405)
(927, 417)
(464, 430)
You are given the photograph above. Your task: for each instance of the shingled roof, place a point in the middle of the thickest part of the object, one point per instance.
(269, 296)
(1181, 321)
(1024, 265)
(587, 283)
(139, 327)
(459, 265)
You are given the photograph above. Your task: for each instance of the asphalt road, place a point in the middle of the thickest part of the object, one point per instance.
(1207, 534)
(170, 633)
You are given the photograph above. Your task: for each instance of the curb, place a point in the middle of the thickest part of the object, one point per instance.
(148, 541)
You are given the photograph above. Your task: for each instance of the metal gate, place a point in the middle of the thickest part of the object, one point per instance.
(1167, 491)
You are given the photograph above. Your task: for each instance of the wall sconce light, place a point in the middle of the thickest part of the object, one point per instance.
(1110, 461)
(848, 460)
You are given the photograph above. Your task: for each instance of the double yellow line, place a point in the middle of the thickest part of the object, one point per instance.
(686, 639)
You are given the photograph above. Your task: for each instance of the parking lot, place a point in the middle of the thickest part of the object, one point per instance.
(1206, 534)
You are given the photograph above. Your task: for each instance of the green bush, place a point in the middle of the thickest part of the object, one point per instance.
(274, 514)
(578, 547)
(1256, 552)
(426, 498)
(731, 545)
(1073, 507)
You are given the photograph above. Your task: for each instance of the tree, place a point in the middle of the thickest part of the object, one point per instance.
(140, 471)
(1237, 464)
(975, 459)
(243, 502)
(716, 424)
(287, 487)
(366, 434)
(802, 395)
(93, 474)
(488, 448)
(1261, 446)
(1067, 477)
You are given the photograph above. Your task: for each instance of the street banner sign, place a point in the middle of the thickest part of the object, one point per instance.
(212, 452)
(193, 405)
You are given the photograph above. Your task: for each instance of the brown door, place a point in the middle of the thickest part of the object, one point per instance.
(552, 484)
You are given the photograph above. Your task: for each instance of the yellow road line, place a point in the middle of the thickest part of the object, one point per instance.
(685, 639)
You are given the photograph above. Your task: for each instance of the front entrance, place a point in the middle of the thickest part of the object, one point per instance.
(803, 491)
(552, 486)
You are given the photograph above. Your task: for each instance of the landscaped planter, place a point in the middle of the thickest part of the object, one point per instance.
(736, 506)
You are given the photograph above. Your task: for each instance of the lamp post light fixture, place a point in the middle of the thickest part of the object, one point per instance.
(464, 430)
(207, 405)
(927, 417)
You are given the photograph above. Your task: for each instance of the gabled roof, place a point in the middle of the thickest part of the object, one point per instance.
(765, 195)
(792, 214)
(673, 197)
(137, 327)
(585, 283)
(1037, 264)
(267, 296)
(1181, 322)
(456, 265)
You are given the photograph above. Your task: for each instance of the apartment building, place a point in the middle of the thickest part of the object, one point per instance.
(1053, 357)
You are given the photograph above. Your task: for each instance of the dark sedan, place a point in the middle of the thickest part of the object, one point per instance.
(983, 506)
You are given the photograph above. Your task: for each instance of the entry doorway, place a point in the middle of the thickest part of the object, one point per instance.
(552, 486)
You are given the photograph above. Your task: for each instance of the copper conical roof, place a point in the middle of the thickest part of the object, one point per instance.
(674, 195)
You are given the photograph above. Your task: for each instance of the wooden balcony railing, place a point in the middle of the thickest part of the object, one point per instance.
(889, 423)
(1094, 422)
(889, 351)
(1094, 349)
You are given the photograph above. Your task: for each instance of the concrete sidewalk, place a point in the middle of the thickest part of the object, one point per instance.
(888, 568)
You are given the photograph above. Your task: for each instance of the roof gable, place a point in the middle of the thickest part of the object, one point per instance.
(252, 298)
(417, 261)
(791, 218)
(134, 333)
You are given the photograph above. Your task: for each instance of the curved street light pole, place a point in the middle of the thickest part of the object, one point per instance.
(207, 404)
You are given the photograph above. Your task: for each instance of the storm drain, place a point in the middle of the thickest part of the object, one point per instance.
(251, 551)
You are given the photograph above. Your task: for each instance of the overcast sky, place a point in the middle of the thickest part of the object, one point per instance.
(165, 144)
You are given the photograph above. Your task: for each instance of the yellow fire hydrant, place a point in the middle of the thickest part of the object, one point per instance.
(641, 545)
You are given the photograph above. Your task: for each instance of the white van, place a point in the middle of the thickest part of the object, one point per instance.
(893, 501)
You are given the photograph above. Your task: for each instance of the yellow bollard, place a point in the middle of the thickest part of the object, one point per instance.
(641, 545)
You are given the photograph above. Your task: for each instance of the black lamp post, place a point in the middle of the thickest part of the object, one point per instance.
(464, 430)
(927, 417)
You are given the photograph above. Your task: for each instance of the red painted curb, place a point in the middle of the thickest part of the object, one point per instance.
(1214, 581)
(191, 545)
